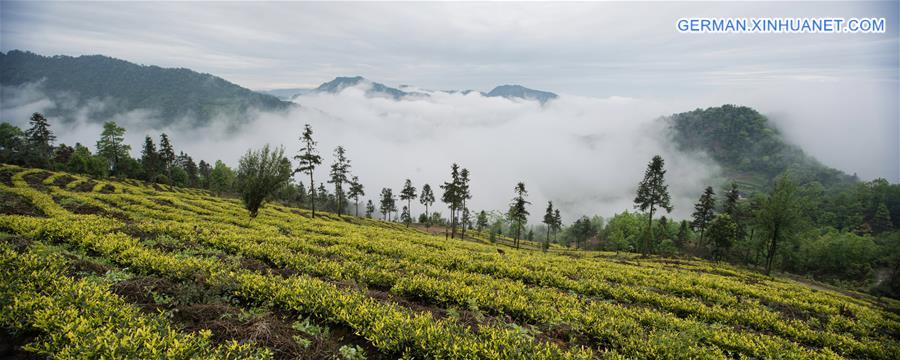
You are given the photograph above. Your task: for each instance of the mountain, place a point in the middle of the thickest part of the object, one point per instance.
(375, 89)
(521, 92)
(120, 86)
(748, 147)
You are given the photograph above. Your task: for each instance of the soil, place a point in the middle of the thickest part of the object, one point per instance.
(12, 204)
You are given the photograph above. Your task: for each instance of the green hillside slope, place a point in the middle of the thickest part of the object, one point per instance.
(340, 285)
(748, 147)
(173, 94)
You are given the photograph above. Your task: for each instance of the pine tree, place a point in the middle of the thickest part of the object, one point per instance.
(111, 145)
(557, 223)
(427, 198)
(150, 159)
(39, 139)
(704, 212)
(653, 193)
(309, 159)
(387, 206)
(518, 214)
(404, 216)
(482, 221)
(550, 221)
(464, 194)
(408, 193)
(730, 205)
(370, 209)
(681, 239)
(451, 196)
(204, 170)
(187, 164)
(322, 197)
(881, 221)
(339, 172)
(722, 232)
(166, 155)
(356, 190)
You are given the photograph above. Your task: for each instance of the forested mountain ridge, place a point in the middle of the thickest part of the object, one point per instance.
(748, 147)
(121, 86)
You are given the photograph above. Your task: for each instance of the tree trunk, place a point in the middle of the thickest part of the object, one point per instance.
(647, 238)
(453, 222)
(427, 216)
(770, 257)
(312, 198)
(409, 211)
(548, 239)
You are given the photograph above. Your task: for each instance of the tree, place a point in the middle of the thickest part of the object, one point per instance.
(652, 193)
(62, 154)
(204, 169)
(550, 221)
(482, 221)
(518, 214)
(39, 139)
(150, 159)
(704, 212)
(881, 221)
(12, 144)
(309, 158)
(387, 205)
(426, 198)
(111, 145)
(582, 230)
(730, 205)
(557, 222)
(339, 173)
(722, 232)
(221, 178)
(464, 194)
(779, 216)
(451, 196)
(260, 174)
(356, 190)
(166, 155)
(190, 169)
(681, 239)
(408, 193)
(404, 216)
(370, 208)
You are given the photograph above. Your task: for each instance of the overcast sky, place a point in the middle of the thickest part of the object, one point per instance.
(835, 95)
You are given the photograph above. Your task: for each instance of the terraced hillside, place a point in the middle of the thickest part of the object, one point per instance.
(127, 270)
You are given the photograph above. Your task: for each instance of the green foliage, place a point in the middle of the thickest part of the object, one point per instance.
(837, 255)
(723, 231)
(111, 145)
(652, 194)
(742, 141)
(352, 352)
(221, 179)
(260, 174)
(779, 217)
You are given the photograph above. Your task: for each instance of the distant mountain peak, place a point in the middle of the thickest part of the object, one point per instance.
(375, 89)
(521, 92)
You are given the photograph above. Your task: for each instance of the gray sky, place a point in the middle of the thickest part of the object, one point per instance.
(835, 95)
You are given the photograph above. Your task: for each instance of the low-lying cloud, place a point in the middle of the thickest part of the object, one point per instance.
(585, 154)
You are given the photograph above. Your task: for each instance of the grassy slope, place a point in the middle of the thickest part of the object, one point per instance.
(406, 292)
